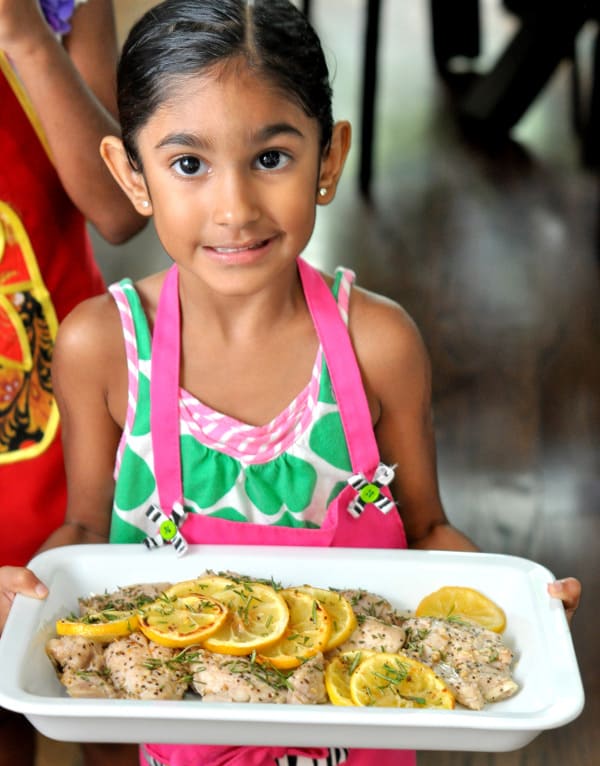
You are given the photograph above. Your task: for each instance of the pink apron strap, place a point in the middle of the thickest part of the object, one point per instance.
(343, 369)
(164, 394)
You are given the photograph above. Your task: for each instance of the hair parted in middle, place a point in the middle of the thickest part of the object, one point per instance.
(183, 38)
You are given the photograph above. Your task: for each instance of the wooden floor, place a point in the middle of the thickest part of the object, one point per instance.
(496, 256)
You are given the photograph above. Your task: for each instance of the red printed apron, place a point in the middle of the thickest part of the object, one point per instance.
(46, 268)
(371, 529)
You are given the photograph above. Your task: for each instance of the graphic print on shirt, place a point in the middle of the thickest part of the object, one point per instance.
(28, 325)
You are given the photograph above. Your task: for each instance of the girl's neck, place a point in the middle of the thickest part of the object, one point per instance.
(247, 314)
(250, 355)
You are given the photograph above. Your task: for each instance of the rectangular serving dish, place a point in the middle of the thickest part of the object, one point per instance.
(550, 696)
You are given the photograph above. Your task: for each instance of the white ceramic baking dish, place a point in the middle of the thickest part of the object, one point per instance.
(550, 696)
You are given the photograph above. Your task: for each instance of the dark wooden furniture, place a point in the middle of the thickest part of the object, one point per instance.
(493, 103)
(369, 88)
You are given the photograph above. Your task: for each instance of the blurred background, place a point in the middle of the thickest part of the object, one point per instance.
(480, 216)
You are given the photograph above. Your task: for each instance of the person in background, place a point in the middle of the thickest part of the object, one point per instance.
(57, 100)
(242, 391)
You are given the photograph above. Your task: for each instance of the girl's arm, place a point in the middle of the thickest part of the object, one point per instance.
(72, 89)
(89, 371)
(396, 370)
(88, 356)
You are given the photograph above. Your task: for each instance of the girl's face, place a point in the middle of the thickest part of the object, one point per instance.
(232, 169)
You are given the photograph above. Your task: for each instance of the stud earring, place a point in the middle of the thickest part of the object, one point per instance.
(145, 203)
(323, 191)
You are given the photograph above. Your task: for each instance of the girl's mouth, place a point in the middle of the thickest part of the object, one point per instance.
(240, 255)
(240, 248)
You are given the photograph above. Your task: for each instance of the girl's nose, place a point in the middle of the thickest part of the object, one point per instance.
(236, 201)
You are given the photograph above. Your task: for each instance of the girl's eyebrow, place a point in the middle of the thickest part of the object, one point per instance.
(194, 141)
(182, 139)
(270, 131)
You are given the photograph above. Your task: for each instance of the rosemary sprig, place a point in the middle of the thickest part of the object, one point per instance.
(178, 662)
(270, 675)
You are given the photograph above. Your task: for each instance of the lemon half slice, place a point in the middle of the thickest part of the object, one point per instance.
(395, 680)
(338, 673)
(101, 626)
(461, 604)
(307, 633)
(343, 619)
(182, 621)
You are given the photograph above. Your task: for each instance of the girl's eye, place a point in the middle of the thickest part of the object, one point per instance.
(272, 160)
(189, 166)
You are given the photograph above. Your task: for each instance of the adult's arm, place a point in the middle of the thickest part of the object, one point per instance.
(72, 89)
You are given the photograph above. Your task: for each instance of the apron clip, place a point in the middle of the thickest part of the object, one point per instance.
(370, 491)
(167, 528)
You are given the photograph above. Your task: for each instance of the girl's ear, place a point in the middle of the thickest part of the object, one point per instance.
(130, 180)
(332, 162)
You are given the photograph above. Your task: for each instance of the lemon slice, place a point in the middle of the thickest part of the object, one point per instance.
(338, 673)
(101, 626)
(460, 604)
(394, 680)
(182, 621)
(258, 614)
(186, 587)
(307, 633)
(343, 619)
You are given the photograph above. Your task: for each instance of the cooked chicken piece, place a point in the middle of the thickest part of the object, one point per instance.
(223, 678)
(75, 653)
(131, 667)
(376, 635)
(79, 664)
(496, 684)
(131, 597)
(371, 605)
(141, 669)
(467, 642)
(307, 683)
(89, 684)
(473, 661)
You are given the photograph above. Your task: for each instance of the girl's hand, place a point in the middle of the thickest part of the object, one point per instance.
(15, 580)
(569, 592)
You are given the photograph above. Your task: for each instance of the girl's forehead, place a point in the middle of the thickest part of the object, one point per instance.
(232, 94)
(228, 81)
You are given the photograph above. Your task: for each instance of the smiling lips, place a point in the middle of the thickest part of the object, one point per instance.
(240, 248)
(248, 253)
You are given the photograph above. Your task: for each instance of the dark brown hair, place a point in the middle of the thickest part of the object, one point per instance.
(185, 37)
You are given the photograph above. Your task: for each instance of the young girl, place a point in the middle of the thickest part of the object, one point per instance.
(242, 393)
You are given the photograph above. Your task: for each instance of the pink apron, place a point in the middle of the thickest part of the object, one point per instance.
(371, 529)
